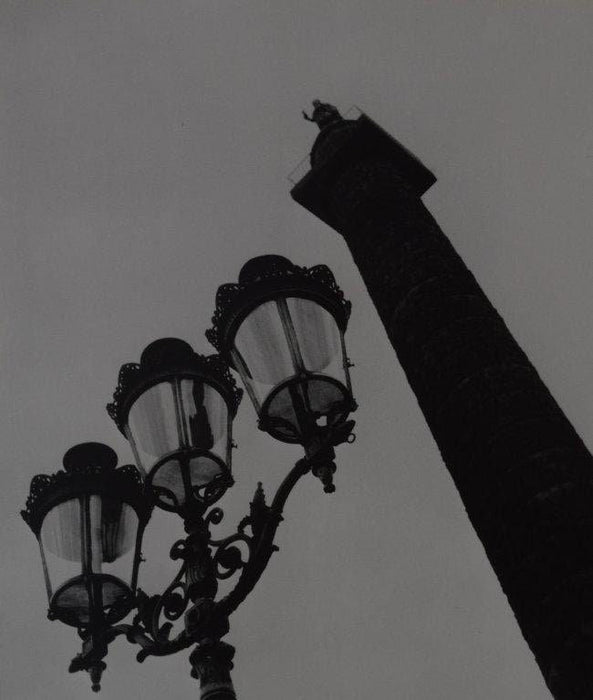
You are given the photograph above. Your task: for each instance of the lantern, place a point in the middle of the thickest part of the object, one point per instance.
(282, 328)
(89, 521)
(176, 409)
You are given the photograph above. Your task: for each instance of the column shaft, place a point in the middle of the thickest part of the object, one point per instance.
(524, 475)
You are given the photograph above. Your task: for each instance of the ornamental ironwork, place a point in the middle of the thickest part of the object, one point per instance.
(165, 358)
(175, 408)
(266, 277)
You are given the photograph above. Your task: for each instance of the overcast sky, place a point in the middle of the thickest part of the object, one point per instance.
(145, 153)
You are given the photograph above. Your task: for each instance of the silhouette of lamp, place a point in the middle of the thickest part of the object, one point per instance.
(89, 521)
(282, 328)
(176, 408)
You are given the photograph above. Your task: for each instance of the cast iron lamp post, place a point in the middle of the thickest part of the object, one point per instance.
(282, 328)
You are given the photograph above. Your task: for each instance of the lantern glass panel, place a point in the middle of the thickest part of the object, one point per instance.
(290, 355)
(153, 424)
(179, 422)
(205, 417)
(88, 546)
(318, 336)
(261, 341)
(61, 531)
(60, 542)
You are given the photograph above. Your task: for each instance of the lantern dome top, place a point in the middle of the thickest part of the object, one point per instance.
(258, 268)
(88, 454)
(161, 360)
(89, 468)
(165, 351)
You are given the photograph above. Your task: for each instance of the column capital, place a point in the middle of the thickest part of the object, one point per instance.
(345, 145)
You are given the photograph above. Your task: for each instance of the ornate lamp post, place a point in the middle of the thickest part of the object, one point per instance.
(282, 328)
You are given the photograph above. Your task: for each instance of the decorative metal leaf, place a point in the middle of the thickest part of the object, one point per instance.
(230, 558)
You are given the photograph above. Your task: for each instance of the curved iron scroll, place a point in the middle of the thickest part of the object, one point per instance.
(263, 521)
(205, 560)
(206, 618)
(147, 630)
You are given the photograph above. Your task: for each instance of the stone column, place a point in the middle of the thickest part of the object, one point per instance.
(524, 475)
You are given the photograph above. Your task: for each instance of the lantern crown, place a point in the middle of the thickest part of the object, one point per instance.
(270, 277)
(80, 457)
(89, 467)
(164, 358)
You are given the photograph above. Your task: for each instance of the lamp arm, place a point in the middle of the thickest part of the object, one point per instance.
(205, 618)
(204, 561)
(263, 521)
(146, 628)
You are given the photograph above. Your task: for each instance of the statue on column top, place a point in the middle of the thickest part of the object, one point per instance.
(323, 115)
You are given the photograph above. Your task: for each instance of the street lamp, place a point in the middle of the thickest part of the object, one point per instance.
(282, 328)
(89, 521)
(176, 410)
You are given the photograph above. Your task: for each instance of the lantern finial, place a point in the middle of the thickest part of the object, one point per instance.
(89, 454)
(261, 266)
(164, 351)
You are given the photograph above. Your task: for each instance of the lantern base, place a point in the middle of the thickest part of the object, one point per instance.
(83, 598)
(188, 477)
(304, 407)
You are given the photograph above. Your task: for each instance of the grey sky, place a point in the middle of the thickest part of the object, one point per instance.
(145, 153)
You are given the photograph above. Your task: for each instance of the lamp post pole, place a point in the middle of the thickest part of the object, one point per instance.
(524, 475)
